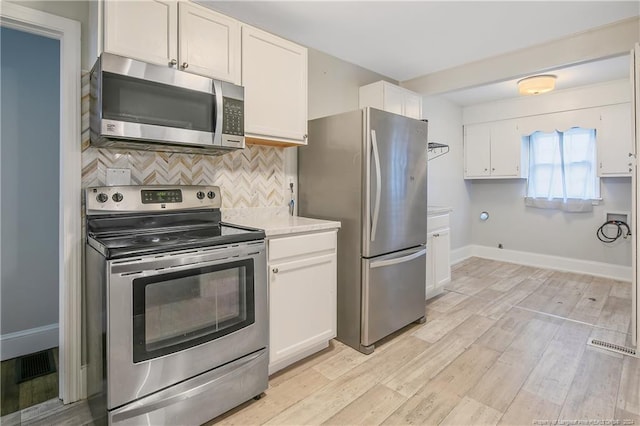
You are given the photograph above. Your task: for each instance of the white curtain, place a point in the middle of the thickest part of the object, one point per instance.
(562, 170)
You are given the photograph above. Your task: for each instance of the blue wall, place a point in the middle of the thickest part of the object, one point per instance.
(29, 179)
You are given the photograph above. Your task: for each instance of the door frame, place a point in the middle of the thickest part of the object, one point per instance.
(635, 196)
(67, 31)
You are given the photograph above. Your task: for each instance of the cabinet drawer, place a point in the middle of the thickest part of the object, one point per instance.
(437, 222)
(301, 245)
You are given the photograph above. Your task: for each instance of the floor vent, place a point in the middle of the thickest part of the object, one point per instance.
(35, 365)
(613, 347)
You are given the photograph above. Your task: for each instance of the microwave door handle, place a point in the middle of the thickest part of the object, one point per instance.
(217, 114)
(376, 207)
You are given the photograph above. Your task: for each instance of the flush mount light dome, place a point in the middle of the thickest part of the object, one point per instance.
(537, 84)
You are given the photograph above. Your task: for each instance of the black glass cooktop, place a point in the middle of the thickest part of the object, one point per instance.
(120, 236)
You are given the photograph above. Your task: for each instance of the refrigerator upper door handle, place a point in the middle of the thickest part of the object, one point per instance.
(389, 262)
(376, 207)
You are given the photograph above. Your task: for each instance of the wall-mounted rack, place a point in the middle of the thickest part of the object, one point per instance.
(435, 150)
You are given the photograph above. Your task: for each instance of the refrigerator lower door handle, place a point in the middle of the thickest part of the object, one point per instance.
(376, 207)
(407, 258)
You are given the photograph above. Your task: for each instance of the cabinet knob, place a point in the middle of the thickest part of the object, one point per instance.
(275, 270)
(173, 62)
(631, 154)
(185, 65)
(486, 169)
(493, 169)
(436, 235)
(305, 136)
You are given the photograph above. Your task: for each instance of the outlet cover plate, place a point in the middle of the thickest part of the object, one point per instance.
(118, 177)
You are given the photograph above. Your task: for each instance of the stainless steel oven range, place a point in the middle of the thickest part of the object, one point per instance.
(177, 325)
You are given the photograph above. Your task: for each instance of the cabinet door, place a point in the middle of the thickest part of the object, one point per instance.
(477, 150)
(614, 141)
(274, 75)
(413, 105)
(302, 305)
(441, 258)
(146, 30)
(505, 149)
(393, 99)
(430, 289)
(209, 43)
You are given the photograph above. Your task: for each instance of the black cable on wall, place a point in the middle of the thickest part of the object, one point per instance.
(608, 239)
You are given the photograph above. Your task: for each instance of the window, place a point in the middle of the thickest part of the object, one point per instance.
(562, 169)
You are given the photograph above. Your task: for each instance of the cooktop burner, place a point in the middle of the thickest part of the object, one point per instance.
(153, 239)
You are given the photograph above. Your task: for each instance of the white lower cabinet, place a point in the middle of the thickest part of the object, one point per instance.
(302, 296)
(438, 254)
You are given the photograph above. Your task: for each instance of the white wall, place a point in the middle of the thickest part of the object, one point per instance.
(30, 79)
(446, 184)
(78, 10)
(334, 84)
(548, 232)
(541, 231)
(333, 88)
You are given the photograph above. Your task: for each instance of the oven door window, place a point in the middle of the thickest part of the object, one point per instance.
(176, 311)
(147, 102)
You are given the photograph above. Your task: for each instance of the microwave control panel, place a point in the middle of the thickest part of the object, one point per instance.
(232, 116)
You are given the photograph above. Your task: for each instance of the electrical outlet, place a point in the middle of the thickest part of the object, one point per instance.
(118, 177)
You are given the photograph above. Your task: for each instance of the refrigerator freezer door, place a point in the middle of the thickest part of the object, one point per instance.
(393, 293)
(395, 183)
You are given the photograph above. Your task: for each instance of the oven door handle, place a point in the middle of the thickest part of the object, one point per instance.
(171, 262)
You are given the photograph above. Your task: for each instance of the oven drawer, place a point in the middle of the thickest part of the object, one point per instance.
(201, 398)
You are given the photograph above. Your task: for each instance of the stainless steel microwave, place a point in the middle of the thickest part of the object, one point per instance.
(137, 105)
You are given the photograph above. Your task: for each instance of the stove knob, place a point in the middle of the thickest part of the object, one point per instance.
(200, 195)
(117, 197)
(102, 197)
(211, 194)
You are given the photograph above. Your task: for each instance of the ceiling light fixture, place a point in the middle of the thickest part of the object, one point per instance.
(537, 84)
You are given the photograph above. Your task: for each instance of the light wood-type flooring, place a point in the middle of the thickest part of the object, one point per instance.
(505, 344)
(496, 349)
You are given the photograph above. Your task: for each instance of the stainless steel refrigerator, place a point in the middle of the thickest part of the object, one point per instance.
(368, 169)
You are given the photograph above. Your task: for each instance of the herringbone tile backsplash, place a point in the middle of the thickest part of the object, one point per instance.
(252, 177)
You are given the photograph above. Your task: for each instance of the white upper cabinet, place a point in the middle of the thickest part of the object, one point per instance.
(389, 97)
(144, 30)
(614, 141)
(477, 150)
(494, 150)
(209, 43)
(413, 105)
(174, 33)
(274, 76)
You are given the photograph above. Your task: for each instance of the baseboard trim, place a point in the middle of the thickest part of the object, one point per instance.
(28, 341)
(460, 254)
(599, 269)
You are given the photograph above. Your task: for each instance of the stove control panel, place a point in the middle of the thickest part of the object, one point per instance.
(134, 198)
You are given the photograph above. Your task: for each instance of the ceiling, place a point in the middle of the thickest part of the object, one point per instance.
(407, 39)
(575, 76)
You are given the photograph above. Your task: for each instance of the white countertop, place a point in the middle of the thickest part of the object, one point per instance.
(276, 223)
(436, 210)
